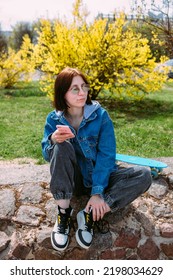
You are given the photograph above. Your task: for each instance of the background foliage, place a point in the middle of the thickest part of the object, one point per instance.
(117, 60)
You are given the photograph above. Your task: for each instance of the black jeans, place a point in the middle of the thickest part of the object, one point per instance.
(125, 184)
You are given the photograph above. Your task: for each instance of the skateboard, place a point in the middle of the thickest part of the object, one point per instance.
(155, 166)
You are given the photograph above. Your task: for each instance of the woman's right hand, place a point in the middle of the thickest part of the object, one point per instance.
(59, 136)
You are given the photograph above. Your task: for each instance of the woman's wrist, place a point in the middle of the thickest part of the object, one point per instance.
(52, 139)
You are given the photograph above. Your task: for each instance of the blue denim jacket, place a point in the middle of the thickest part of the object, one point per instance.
(94, 144)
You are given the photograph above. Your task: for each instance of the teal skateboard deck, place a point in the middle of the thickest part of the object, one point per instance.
(155, 166)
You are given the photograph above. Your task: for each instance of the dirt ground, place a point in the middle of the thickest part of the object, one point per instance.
(23, 170)
(27, 170)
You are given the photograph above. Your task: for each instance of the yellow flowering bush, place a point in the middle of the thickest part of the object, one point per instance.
(116, 59)
(16, 65)
(113, 57)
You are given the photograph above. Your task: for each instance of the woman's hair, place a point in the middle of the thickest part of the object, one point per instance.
(62, 84)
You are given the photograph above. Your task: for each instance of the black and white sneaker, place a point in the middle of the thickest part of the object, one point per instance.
(59, 236)
(84, 234)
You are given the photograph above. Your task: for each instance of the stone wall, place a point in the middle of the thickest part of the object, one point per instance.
(143, 230)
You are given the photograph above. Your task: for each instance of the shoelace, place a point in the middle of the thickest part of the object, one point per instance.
(102, 226)
(89, 221)
(63, 223)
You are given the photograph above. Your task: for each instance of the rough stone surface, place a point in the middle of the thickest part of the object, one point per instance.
(166, 230)
(148, 251)
(4, 240)
(7, 205)
(29, 215)
(141, 231)
(158, 189)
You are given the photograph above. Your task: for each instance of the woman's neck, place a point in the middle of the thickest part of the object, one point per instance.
(74, 113)
(74, 117)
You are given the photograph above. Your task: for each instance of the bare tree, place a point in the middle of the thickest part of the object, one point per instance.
(159, 15)
(3, 43)
(18, 32)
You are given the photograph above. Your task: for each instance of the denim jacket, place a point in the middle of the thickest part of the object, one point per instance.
(94, 144)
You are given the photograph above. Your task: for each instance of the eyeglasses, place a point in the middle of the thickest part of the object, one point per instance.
(76, 89)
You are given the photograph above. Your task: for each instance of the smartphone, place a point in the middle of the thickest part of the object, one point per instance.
(64, 128)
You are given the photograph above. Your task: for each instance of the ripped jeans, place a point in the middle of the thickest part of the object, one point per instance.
(125, 184)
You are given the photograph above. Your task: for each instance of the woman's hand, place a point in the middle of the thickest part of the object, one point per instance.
(59, 135)
(98, 205)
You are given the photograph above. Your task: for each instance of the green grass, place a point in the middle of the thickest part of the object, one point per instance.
(145, 128)
(23, 89)
(142, 128)
(21, 122)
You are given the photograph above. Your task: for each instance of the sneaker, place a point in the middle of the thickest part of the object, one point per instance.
(59, 236)
(84, 234)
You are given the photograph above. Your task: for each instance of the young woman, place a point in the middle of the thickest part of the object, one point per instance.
(79, 143)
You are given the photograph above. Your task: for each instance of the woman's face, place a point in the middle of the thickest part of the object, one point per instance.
(76, 96)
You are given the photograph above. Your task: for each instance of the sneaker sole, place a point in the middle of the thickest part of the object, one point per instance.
(79, 241)
(58, 248)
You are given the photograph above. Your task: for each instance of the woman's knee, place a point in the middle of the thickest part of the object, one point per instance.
(147, 178)
(63, 149)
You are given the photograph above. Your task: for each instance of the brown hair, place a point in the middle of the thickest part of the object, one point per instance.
(62, 85)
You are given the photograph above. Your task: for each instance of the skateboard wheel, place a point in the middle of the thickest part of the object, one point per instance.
(154, 173)
(160, 170)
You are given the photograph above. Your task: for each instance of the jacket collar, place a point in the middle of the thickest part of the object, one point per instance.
(90, 108)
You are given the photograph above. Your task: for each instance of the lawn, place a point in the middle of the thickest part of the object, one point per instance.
(143, 128)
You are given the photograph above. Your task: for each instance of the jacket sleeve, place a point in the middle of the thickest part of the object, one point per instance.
(50, 127)
(105, 160)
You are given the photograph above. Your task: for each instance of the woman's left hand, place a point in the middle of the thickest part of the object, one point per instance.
(98, 205)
